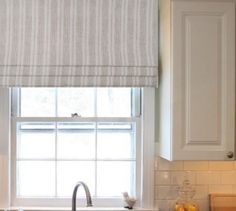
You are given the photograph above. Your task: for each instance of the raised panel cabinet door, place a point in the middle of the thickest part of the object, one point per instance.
(203, 100)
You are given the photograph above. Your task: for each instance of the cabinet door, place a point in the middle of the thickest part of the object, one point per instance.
(203, 91)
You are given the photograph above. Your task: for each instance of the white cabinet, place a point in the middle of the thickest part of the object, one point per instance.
(197, 79)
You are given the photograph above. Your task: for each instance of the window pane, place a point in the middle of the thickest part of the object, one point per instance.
(116, 141)
(60, 153)
(35, 140)
(76, 100)
(115, 177)
(114, 102)
(35, 178)
(37, 102)
(71, 172)
(76, 141)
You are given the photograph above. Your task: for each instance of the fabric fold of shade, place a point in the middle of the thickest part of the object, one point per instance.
(78, 43)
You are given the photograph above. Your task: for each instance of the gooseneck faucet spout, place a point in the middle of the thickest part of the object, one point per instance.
(87, 193)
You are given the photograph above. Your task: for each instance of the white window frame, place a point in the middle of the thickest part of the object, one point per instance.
(145, 180)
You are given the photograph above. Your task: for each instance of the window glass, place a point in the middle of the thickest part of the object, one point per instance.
(35, 179)
(36, 140)
(115, 141)
(114, 102)
(76, 141)
(37, 102)
(57, 150)
(86, 102)
(116, 174)
(79, 100)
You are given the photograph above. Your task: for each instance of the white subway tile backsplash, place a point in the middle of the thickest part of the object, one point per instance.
(163, 164)
(201, 192)
(166, 192)
(228, 177)
(177, 166)
(206, 176)
(157, 204)
(214, 177)
(162, 205)
(170, 166)
(163, 192)
(202, 178)
(171, 204)
(220, 188)
(177, 177)
(221, 165)
(162, 178)
(196, 165)
(203, 205)
(234, 188)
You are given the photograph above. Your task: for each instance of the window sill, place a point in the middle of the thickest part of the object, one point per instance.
(69, 208)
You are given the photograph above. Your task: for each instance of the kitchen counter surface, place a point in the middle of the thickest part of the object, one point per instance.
(69, 208)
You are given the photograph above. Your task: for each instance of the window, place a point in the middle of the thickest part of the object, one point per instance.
(64, 135)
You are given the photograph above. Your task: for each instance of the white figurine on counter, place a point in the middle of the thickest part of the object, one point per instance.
(129, 200)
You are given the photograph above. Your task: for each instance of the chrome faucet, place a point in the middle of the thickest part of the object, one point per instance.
(87, 193)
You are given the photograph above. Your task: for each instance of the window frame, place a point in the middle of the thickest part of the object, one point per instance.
(145, 180)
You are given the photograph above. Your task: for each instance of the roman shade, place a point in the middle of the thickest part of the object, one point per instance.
(78, 43)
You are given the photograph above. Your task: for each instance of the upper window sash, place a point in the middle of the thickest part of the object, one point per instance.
(135, 105)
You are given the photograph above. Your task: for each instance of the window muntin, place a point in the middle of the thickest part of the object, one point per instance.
(75, 153)
(98, 162)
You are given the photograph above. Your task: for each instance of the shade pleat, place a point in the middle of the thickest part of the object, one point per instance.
(78, 43)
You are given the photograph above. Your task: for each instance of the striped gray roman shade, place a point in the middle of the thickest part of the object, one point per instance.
(78, 43)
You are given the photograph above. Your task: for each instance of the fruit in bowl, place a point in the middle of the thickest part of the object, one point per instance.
(185, 207)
